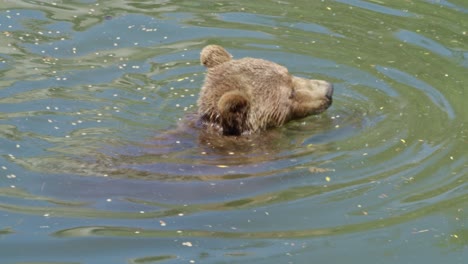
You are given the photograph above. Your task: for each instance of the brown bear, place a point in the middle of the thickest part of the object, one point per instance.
(249, 95)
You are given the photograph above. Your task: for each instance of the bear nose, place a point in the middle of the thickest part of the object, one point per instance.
(329, 93)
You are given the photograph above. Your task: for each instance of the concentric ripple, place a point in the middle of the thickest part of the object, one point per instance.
(98, 139)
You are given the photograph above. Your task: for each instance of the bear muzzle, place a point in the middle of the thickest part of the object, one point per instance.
(329, 93)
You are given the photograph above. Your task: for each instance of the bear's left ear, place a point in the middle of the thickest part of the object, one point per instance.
(214, 55)
(233, 108)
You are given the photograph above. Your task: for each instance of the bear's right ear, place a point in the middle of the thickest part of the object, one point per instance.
(214, 55)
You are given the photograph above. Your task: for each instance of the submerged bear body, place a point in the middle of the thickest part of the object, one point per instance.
(249, 95)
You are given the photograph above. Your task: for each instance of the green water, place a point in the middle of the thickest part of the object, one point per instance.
(98, 162)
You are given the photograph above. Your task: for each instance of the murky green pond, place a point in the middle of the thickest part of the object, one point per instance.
(98, 164)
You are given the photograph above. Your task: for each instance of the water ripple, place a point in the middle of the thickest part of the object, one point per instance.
(436, 97)
(424, 42)
(375, 7)
(98, 139)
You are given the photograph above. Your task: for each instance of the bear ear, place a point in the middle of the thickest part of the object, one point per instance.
(233, 108)
(214, 55)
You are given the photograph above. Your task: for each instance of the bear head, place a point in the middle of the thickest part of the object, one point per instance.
(248, 95)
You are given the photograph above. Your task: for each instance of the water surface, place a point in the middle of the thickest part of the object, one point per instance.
(99, 162)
